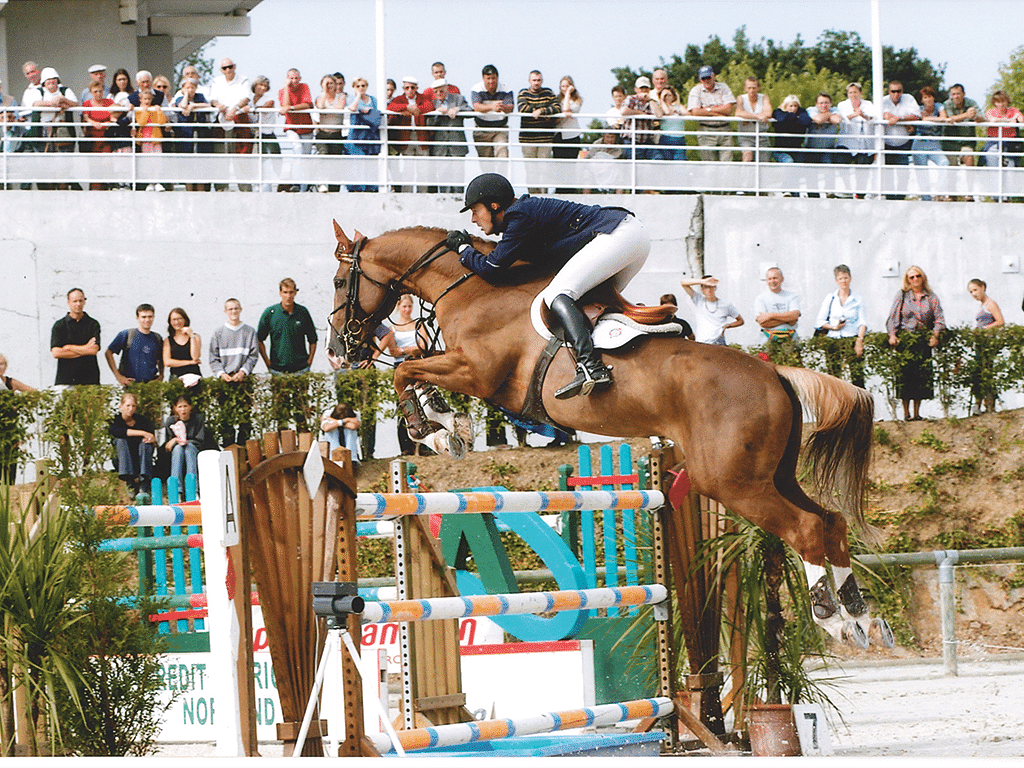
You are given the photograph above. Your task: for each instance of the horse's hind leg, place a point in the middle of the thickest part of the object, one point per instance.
(858, 626)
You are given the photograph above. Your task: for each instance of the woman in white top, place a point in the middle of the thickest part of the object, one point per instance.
(712, 315)
(756, 109)
(855, 132)
(567, 135)
(841, 317)
(329, 138)
(411, 342)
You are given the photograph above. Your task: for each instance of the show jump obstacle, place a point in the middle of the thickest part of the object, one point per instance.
(280, 509)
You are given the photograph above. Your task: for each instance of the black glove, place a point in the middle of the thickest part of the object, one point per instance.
(456, 239)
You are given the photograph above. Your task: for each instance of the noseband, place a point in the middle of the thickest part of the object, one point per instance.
(355, 338)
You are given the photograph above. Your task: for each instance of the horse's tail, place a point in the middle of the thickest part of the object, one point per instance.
(838, 448)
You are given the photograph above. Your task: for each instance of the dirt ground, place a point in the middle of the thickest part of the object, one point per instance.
(935, 484)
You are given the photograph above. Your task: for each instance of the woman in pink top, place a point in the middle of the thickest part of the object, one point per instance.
(997, 147)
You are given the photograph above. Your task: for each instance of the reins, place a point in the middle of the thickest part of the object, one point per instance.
(355, 340)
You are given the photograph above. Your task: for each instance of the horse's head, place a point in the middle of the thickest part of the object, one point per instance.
(362, 299)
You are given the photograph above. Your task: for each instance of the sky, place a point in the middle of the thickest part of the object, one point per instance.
(585, 39)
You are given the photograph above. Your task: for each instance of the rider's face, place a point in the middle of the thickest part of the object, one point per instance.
(483, 217)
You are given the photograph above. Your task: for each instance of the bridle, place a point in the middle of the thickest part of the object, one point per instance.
(359, 325)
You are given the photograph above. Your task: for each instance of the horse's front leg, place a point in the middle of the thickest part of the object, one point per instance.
(429, 418)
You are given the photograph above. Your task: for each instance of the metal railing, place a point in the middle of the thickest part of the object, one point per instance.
(270, 156)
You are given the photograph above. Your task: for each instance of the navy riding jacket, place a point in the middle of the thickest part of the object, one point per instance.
(543, 230)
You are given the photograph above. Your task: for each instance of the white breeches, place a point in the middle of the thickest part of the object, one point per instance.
(618, 255)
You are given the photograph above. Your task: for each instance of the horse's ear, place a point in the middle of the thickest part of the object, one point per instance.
(339, 233)
(359, 235)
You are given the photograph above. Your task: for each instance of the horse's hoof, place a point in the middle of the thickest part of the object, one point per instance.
(853, 634)
(881, 633)
(463, 427)
(456, 446)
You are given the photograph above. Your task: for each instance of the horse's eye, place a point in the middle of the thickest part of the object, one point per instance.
(339, 283)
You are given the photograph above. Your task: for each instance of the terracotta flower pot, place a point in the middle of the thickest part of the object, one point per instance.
(772, 731)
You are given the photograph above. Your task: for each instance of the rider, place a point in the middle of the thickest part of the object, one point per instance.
(588, 244)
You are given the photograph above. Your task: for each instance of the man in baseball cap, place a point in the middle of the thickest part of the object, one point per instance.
(712, 99)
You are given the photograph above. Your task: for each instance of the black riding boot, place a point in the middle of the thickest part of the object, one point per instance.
(591, 373)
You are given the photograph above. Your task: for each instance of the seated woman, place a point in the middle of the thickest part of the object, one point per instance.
(340, 426)
(134, 440)
(188, 433)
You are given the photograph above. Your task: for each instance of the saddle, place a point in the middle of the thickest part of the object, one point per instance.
(605, 298)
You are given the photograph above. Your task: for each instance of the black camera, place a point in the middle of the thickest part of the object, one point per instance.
(335, 600)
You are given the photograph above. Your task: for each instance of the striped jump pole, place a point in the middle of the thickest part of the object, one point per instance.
(372, 506)
(551, 722)
(152, 543)
(511, 604)
(151, 515)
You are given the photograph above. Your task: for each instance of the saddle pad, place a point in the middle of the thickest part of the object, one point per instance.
(613, 330)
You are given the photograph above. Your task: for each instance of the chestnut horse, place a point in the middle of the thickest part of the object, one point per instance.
(735, 419)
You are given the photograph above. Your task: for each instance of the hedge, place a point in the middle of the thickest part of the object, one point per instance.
(71, 425)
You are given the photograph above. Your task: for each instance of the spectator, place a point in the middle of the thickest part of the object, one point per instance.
(140, 349)
(447, 137)
(492, 102)
(191, 119)
(791, 123)
(989, 318)
(685, 329)
(183, 349)
(438, 72)
(10, 130)
(264, 114)
(191, 73)
(411, 341)
(713, 315)
(756, 109)
(97, 74)
(538, 106)
(134, 441)
(390, 86)
(144, 83)
(58, 122)
(898, 107)
(162, 85)
(187, 431)
(289, 327)
(231, 96)
(340, 426)
(149, 121)
(295, 102)
(926, 145)
(841, 318)
(33, 92)
(567, 137)
(410, 109)
(9, 383)
(855, 129)
(712, 99)
(823, 132)
(100, 123)
(961, 113)
(915, 308)
(328, 132)
(120, 91)
(659, 80)
(75, 342)
(673, 140)
(606, 174)
(613, 118)
(997, 150)
(364, 133)
(777, 314)
(234, 351)
(642, 132)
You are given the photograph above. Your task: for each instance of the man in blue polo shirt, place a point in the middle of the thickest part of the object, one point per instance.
(289, 327)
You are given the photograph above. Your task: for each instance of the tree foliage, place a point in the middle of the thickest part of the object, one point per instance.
(1011, 78)
(836, 59)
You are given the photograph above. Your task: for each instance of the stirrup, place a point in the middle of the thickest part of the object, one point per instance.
(585, 381)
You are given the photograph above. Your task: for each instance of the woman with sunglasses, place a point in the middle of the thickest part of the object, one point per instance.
(915, 308)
